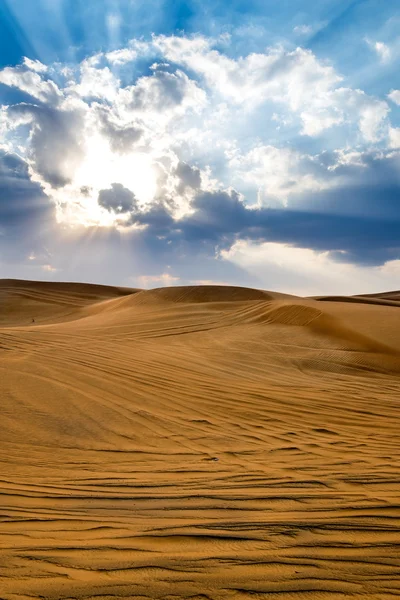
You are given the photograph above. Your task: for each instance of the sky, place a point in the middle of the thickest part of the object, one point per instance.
(155, 143)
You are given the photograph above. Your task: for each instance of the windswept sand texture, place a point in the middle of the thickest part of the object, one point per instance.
(198, 443)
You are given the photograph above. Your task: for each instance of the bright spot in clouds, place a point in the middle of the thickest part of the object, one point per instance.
(100, 168)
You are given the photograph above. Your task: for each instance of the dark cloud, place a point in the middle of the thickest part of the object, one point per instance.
(371, 189)
(118, 199)
(158, 219)
(21, 200)
(26, 213)
(357, 224)
(220, 218)
(56, 144)
(352, 239)
(189, 177)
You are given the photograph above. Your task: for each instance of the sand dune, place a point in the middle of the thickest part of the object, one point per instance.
(386, 295)
(22, 302)
(201, 442)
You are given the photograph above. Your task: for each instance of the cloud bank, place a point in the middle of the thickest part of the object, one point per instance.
(175, 159)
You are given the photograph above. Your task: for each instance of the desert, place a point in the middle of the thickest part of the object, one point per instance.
(204, 442)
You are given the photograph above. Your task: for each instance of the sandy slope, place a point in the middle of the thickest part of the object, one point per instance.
(198, 443)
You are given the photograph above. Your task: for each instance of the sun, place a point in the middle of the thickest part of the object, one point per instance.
(100, 168)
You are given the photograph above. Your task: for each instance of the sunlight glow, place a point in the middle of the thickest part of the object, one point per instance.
(100, 168)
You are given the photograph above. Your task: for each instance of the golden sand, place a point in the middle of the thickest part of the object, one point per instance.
(199, 442)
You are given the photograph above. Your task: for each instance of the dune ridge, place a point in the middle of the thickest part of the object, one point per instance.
(207, 442)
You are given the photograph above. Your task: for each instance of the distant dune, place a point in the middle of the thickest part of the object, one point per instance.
(204, 442)
(44, 301)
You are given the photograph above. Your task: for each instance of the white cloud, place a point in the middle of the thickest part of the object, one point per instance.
(293, 77)
(382, 50)
(95, 82)
(197, 107)
(150, 281)
(372, 119)
(122, 56)
(347, 106)
(35, 65)
(279, 172)
(32, 83)
(303, 29)
(306, 272)
(296, 79)
(314, 123)
(394, 137)
(394, 96)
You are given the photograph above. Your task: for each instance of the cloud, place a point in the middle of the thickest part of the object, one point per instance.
(121, 136)
(161, 96)
(164, 279)
(184, 153)
(394, 96)
(382, 50)
(118, 199)
(279, 173)
(27, 78)
(35, 65)
(189, 177)
(292, 77)
(94, 81)
(26, 213)
(307, 272)
(21, 200)
(372, 121)
(296, 79)
(303, 29)
(355, 223)
(56, 140)
(196, 105)
(122, 56)
(394, 137)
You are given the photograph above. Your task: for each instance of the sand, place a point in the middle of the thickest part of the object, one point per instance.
(202, 443)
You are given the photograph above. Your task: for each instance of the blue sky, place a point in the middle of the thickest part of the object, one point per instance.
(169, 142)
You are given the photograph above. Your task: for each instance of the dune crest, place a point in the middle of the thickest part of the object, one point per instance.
(201, 442)
(206, 293)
